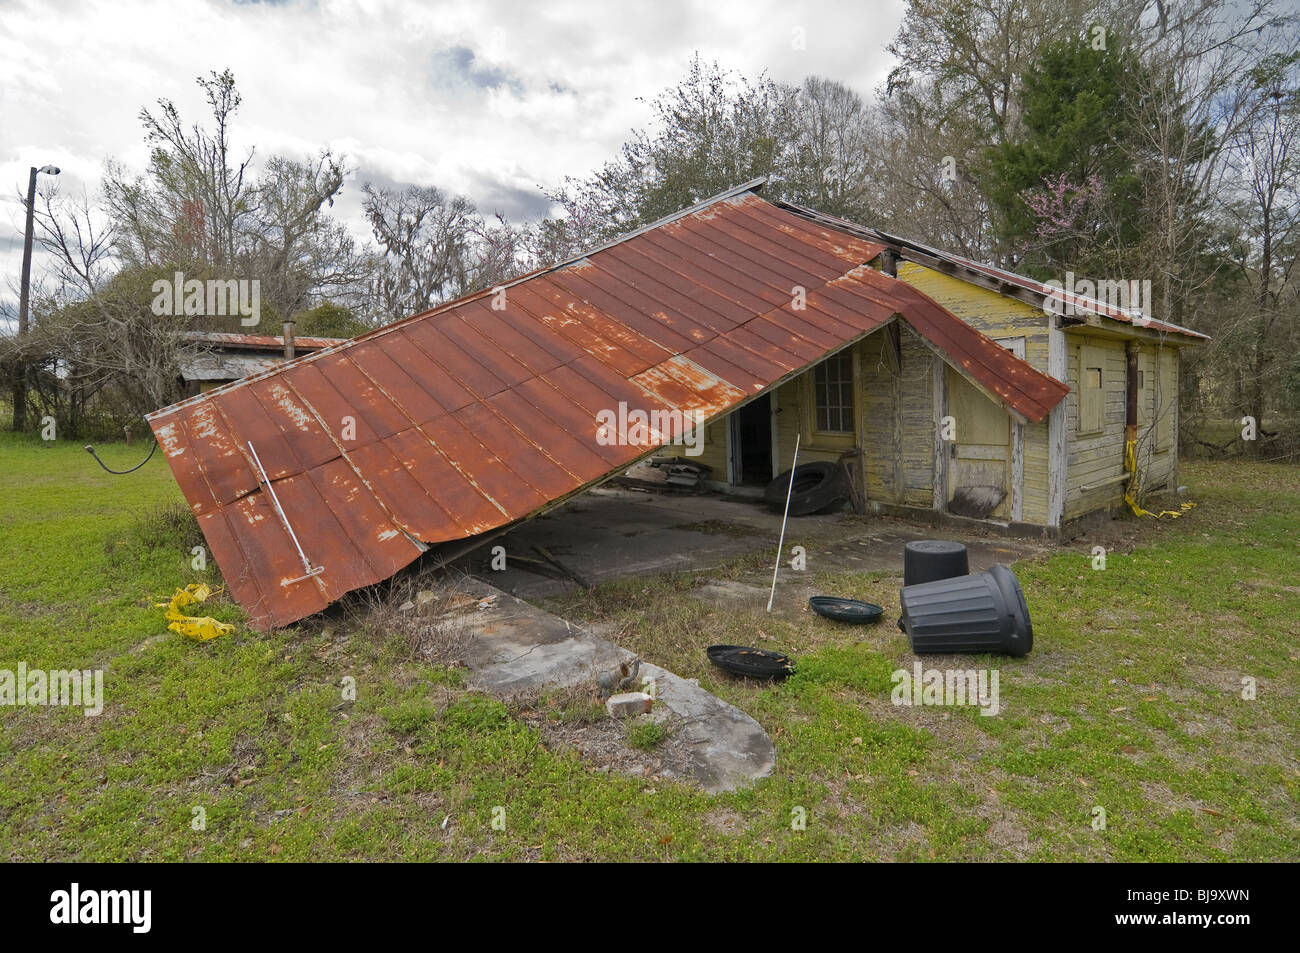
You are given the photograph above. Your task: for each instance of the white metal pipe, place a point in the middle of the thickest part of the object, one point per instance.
(794, 463)
(306, 563)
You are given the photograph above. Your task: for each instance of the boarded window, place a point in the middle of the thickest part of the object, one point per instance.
(833, 394)
(1092, 390)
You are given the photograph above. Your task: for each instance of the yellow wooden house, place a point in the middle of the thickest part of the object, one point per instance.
(913, 431)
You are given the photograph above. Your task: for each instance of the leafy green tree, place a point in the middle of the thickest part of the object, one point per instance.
(714, 130)
(329, 320)
(1068, 190)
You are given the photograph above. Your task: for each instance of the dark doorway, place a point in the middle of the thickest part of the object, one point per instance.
(751, 437)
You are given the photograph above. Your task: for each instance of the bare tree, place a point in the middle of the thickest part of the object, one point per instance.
(79, 236)
(300, 254)
(190, 206)
(1257, 342)
(425, 236)
(835, 163)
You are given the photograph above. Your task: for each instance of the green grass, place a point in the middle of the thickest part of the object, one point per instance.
(645, 734)
(1131, 701)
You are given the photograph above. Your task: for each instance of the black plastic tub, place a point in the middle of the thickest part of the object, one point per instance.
(983, 612)
(846, 610)
(925, 560)
(750, 662)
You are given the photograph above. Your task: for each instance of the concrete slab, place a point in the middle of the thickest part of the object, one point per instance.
(609, 534)
(514, 647)
(612, 533)
(728, 749)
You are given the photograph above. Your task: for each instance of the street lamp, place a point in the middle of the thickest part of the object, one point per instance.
(20, 379)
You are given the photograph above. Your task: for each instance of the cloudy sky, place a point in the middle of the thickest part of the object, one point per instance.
(491, 99)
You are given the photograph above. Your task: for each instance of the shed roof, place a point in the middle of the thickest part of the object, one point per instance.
(223, 356)
(257, 342)
(469, 417)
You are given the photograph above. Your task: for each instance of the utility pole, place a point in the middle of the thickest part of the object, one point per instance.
(20, 380)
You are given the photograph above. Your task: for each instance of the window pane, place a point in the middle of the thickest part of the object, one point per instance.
(833, 394)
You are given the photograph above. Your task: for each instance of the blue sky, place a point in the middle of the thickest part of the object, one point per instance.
(490, 99)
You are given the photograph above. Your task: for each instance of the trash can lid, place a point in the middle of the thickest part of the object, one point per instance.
(934, 546)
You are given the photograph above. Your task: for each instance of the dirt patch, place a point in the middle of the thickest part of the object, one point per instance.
(603, 746)
(574, 719)
(718, 528)
(725, 821)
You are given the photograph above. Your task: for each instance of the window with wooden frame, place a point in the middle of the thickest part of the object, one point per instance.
(1092, 389)
(833, 394)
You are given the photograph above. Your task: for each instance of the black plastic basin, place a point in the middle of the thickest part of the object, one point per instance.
(846, 610)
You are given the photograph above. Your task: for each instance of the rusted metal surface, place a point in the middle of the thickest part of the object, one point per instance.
(459, 421)
(1039, 291)
(258, 342)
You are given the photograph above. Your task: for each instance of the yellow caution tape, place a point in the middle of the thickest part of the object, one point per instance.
(1130, 464)
(200, 628)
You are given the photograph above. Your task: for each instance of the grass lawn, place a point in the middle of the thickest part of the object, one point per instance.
(1131, 701)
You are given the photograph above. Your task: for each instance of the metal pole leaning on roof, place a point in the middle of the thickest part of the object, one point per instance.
(794, 463)
(306, 563)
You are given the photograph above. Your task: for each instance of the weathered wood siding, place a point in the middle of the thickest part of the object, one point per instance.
(714, 453)
(894, 410)
(1157, 434)
(896, 404)
(1003, 319)
(1095, 460)
(897, 408)
(793, 406)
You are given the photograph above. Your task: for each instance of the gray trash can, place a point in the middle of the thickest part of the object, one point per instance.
(983, 612)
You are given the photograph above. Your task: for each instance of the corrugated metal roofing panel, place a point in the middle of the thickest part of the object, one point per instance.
(467, 418)
(261, 342)
(1074, 301)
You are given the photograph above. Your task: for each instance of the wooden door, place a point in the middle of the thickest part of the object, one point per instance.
(981, 451)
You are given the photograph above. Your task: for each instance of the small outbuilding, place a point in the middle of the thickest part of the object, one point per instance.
(209, 359)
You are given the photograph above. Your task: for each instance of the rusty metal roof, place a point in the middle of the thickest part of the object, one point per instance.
(464, 419)
(258, 342)
(1040, 292)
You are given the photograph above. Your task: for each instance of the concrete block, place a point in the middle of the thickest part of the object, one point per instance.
(628, 704)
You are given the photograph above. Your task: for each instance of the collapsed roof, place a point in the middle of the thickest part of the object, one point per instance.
(483, 412)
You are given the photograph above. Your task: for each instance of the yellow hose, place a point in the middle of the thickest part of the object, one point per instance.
(1130, 464)
(203, 628)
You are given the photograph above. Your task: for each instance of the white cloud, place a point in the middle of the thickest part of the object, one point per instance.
(487, 98)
